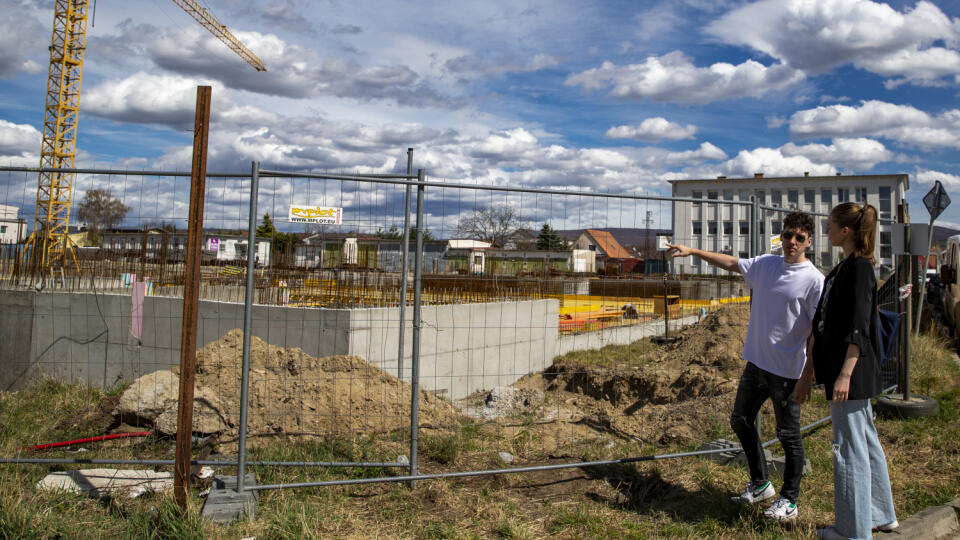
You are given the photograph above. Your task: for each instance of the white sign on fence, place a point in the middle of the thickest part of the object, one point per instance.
(327, 215)
(775, 244)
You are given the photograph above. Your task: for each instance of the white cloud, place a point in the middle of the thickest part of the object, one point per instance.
(927, 176)
(902, 123)
(819, 35)
(773, 162)
(858, 154)
(652, 130)
(19, 36)
(292, 70)
(19, 144)
(706, 152)
(674, 78)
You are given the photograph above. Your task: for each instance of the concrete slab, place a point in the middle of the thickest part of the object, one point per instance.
(225, 505)
(99, 483)
(934, 522)
(779, 465)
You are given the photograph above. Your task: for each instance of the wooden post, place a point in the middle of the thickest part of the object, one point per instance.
(191, 285)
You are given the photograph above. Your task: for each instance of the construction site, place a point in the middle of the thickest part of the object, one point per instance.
(384, 328)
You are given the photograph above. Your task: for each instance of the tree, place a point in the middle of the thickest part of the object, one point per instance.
(100, 210)
(549, 240)
(492, 225)
(266, 229)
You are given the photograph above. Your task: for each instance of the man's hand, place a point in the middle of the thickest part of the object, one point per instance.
(679, 250)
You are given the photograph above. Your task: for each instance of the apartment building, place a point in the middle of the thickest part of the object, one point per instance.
(719, 224)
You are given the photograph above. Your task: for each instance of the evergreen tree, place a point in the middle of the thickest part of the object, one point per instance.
(549, 240)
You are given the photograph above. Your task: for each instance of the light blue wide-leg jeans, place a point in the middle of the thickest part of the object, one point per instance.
(861, 497)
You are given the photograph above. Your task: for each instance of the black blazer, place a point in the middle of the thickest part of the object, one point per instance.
(848, 311)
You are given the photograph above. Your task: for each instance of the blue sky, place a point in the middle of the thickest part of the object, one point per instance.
(606, 96)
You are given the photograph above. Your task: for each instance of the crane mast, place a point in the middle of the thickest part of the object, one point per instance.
(50, 242)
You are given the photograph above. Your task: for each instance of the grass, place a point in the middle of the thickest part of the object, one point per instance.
(637, 353)
(677, 498)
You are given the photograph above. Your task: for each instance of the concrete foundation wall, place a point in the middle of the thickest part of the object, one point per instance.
(86, 337)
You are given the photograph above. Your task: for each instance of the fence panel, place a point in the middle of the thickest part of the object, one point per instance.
(551, 329)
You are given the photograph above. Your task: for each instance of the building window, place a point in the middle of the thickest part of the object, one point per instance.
(744, 227)
(823, 226)
(763, 227)
(728, 227)
(861, 194)
(712, 227)
(743, 255)
(697, 227)
(744, 195)
(886, 249)
(697, 195)
(761, 196)
(775, 227)
(826, 197)
(776, 197)
(809, 196)
(793, 198)
(843, 195)
(712, 195)
(826, 259)
(3, 229)
(728, 195)
(885, 203)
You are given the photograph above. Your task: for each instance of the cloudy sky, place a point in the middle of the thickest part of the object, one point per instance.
(607, 96)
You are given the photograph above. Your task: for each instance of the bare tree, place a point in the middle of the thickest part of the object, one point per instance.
(494, 224)
(100, 210)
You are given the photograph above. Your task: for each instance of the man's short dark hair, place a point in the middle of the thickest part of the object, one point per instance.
(798, 220)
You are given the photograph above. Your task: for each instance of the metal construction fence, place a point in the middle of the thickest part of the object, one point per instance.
(356, 321)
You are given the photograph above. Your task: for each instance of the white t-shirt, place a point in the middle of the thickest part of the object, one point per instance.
(784, 301)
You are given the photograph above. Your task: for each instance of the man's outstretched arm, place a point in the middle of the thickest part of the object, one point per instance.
(721, 260)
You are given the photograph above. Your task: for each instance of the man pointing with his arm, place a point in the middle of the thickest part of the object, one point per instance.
(786, 290)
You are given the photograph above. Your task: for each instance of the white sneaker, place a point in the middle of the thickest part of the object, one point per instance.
(830, 534)
(888, 527)
(755, 494)
(782, 510)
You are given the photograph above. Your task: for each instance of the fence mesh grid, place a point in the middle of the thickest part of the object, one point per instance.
(534, 346)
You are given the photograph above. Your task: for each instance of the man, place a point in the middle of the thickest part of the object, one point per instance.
(786, 290)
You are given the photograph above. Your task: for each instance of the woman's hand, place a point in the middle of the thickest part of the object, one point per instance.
(841, 388)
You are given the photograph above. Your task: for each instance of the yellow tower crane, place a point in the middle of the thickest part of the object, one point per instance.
(49, 243)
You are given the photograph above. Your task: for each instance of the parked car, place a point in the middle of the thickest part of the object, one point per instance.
(950, 291)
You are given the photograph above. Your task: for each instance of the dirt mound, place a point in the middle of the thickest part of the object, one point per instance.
(675, 392)
(290, 393)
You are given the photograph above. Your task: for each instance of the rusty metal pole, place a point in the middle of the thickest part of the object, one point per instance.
(191, 286)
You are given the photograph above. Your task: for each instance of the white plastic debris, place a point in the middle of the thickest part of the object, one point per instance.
(205, 472)
(507, 457)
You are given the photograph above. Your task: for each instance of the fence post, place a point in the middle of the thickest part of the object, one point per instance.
(247, 324)
(404, 268)
(415, 356)
(191, 285)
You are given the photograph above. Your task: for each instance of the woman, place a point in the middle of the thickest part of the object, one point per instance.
(843, 348)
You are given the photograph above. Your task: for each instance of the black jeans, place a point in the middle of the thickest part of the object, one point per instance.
(756, 385)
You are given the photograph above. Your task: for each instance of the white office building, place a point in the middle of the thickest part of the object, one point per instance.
(717, 225)
(13, 228)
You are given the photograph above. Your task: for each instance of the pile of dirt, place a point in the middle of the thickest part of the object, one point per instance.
(679, 391)
(290, 393)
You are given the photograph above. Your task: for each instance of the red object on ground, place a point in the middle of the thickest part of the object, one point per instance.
(98, 438)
